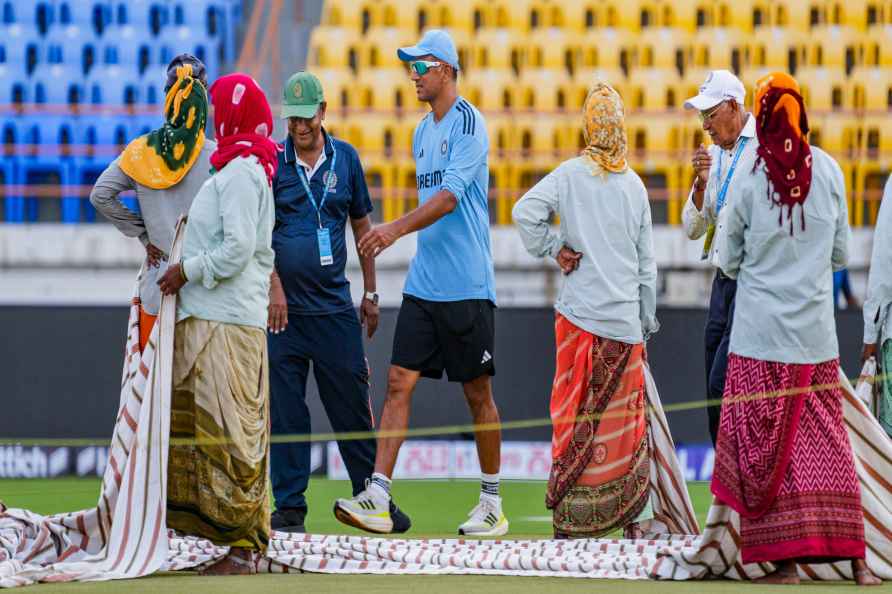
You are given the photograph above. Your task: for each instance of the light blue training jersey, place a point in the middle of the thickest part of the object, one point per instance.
(454, 258)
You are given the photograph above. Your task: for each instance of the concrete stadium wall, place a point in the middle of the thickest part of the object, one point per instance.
(60, 370)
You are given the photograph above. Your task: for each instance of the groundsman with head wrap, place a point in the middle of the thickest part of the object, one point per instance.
(783, 461)
(166, 168)
(606, 309)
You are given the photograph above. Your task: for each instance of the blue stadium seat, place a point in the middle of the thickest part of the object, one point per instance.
(44, 160)
(75, 12)
(59, 88)
(8, 13)
(22, 46)
(64, 45)
(44, 15)
(115, 87)
(133, 47)
(11, 134)
(159, 17)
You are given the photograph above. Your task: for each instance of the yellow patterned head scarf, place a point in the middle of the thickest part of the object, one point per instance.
(603, 120)
(163, 157)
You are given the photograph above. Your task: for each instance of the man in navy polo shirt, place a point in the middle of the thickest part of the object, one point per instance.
(318, 187)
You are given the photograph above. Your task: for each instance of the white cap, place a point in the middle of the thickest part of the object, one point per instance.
(720, 85)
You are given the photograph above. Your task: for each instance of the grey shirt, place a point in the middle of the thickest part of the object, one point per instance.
(607, 218)
(784, 305)
(159, 211)
(879, 285)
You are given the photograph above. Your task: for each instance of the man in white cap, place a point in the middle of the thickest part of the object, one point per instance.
(733, 133)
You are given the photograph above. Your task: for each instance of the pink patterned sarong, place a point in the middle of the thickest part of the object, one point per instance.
(784, 462)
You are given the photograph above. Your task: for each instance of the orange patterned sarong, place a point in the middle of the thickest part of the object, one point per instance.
(600, 471)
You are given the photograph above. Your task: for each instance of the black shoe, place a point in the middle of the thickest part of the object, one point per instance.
(289, 519)
(401, 522)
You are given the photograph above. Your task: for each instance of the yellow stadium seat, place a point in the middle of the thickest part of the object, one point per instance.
(342, 13)
(489, 89)
(697, 14)
(870, 180)
(507, 14)
(777, 48)
(872, 89)
(378, 47)
(654, 89)
(384, 90)
(716, 48)
(876, 141)
(543, 139)
(554, 49)
(545, 14)
(824, 89)
(454, 15)
(338, 85)
(334, 47)
(542, 90)
(878, 44)
(835, 47)
(836, 133)
(850, 13)
(607, 48)
(802, 15)
(498, 49)
(663, 48)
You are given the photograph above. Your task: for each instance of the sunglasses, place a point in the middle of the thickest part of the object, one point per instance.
(705, 116)
(422, 67)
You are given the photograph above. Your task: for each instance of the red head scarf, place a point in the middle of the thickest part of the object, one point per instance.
(243, 123)
(781, 126)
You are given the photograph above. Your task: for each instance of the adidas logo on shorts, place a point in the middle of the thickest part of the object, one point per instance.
(486, 357)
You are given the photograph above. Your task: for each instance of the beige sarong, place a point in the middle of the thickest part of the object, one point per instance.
(217, 488)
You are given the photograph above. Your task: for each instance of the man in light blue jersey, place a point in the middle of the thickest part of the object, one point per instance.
(446, 321)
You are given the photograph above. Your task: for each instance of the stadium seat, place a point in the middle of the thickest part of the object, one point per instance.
(850, 13)
(878, 45)
(379, 46)
(546, 14)
(490, 89)
(58, 90)
(872, 89)
(835, 47)
(113, 90)
(542, 90)
(800, 16)
(334, 47)
(341, 14)
(662, 48)
(866, 195)
(498, 49)
(606, 48)
(455, 15)
(377, 89)
(876, 142)
(654, 89)
(554, 49)
(824, 89)
(716, 48)
(338, 85)
(777, 48)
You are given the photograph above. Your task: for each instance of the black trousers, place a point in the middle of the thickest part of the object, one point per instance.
(717, 334)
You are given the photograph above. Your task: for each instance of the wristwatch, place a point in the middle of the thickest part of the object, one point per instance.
(373, 297)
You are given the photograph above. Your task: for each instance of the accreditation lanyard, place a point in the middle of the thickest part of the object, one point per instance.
(720, 201)
(323, 236)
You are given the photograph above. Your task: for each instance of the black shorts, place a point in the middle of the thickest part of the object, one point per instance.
(457, 336)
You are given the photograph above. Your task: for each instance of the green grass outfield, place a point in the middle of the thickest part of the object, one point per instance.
(436, 509)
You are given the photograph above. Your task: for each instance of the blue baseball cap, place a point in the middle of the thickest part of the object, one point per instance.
(435, 42)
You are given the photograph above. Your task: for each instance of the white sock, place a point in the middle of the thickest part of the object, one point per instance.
(489, 485)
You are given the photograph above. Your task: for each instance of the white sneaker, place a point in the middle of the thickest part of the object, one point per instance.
(486, 519)
(367, 511)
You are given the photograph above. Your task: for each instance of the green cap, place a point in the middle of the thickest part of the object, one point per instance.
(302, 96)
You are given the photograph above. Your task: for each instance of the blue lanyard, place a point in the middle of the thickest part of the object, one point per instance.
(328, 185)
(720, 201)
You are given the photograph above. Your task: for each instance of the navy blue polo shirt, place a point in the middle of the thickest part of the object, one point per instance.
(310, 288)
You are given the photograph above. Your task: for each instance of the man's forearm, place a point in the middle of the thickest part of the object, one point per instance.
(697, 196)
(428, 213)
(367, 263)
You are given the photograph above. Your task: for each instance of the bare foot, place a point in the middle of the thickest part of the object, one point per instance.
(863, 575)
(239, 561)
(786, 574)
